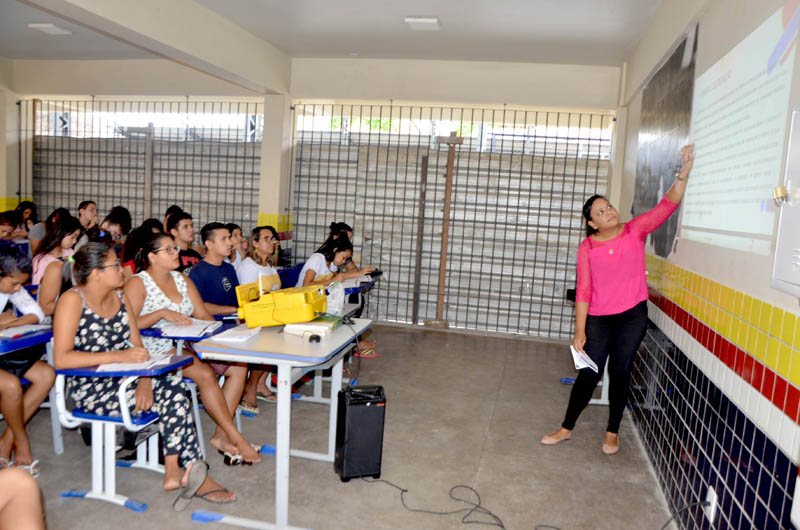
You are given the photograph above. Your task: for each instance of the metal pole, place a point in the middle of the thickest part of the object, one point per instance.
(423, 184)
(148, 171)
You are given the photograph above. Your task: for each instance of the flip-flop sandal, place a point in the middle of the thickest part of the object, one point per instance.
(266, 397)
(247, 406)
(5, 463)
(230, 459)
(197, 476)
(205, 495)
(369, 353)
(32, 468)
(273, 398)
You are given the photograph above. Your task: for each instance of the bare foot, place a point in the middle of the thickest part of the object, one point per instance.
(220, 493)
(6, 444)
(611, 443)
(221, 442)
(558, 436)
(365, 344)
(174, 479)
(249, 454)
(22, 453)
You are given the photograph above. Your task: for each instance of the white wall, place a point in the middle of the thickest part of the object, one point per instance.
(543, 85)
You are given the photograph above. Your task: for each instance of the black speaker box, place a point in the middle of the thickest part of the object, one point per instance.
(359, 432)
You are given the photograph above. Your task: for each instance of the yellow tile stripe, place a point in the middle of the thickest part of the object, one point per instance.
(281, 222)
(766, 332)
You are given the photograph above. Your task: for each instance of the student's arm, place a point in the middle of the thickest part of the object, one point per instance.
(201, 311)
(65, 326)
(308, 279)
(215, 309)
(31, 312)
(135, 290)
(49, 288)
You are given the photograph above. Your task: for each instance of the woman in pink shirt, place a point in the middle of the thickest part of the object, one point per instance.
(611, 301)
(56, 246)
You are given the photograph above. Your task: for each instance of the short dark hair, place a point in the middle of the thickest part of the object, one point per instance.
(13, 259)
(175, 219)
(119, 215)
(8, 218)
(85, 204)
(233, 226)
(149, 243)
(587, 213)
(172, 209)
(88, 258)
(332, 246)
(208, 230)
(152, 224)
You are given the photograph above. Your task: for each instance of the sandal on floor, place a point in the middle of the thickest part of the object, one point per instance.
(247, 406)
(369, 353)
(230, 459)
(197, 476)
(5, 463)
(32, 468)
(205, 495)
(273, 398)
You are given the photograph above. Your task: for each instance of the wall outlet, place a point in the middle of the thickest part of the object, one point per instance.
(711, 509)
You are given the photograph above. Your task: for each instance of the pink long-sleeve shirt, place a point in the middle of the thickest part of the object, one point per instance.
(611, 274)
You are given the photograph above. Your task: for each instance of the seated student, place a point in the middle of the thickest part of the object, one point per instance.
(93, 326)
(26, 218)
(260, 247)
(87, 215)
(39, 230)
(181, 228)
(56, 246)
(322, 268)
(18, 407)
(237, 251)
(133, 244)
(7, 225)
(366, 348)
(117, 223)
(215, 279)
(20, 501)
(158, 292)
(275, 258)
(171, 210)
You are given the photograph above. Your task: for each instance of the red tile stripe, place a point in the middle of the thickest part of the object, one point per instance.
(782, 393)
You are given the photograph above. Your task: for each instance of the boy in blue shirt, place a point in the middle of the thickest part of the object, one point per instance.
(216, 279)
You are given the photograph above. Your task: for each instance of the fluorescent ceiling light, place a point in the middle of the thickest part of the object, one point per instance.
(50, 29)
(423, 23)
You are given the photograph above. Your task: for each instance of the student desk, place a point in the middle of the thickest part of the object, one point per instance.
(35, 339)
(289, 353)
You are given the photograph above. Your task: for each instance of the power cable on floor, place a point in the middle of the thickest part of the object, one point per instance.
(475, 505)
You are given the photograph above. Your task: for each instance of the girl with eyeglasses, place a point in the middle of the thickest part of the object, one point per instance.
(611, 301)
(158, 292)
(94, 324)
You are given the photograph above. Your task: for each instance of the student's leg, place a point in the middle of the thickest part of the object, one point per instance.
(15, 438)
(232, 389)
(227, 438)
(20, 501)
(630, 331)
(254, 385)
(42, 376)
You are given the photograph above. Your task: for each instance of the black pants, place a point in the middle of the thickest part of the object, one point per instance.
(616, 338)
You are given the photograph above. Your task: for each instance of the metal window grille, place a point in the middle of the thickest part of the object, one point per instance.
(519, 182)
(145, 155)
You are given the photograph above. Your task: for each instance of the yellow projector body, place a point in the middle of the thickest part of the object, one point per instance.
(286, 306)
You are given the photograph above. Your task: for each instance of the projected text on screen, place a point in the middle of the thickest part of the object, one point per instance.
(739, 116)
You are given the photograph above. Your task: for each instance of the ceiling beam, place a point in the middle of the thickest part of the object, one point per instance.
(185, 32)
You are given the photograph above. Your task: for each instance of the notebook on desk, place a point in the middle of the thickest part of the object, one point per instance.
(196, 329)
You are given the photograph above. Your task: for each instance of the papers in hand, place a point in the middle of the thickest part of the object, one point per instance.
(18, 331)
(197, 328)
(133, 367)
(582, 360)
(240, 333)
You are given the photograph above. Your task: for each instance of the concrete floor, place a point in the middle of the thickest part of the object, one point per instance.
(461, 409)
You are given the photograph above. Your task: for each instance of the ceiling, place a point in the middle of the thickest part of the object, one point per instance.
(593, 32)
(598, 32)
(17, 41)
